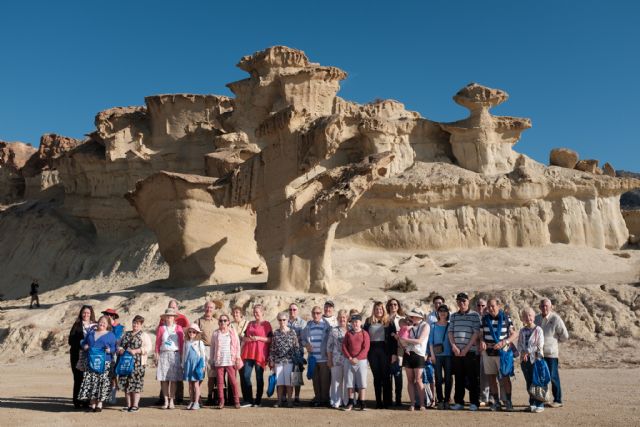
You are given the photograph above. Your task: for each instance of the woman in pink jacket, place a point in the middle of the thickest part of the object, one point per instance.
(169, 344)
(225, 357)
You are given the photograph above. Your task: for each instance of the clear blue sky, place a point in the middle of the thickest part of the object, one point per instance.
(573, 67)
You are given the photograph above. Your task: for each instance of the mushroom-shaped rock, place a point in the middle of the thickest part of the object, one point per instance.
(563, 157)
(482, 142)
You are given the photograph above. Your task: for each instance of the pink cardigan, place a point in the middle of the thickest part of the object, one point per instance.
(160, 332)
(235, 349)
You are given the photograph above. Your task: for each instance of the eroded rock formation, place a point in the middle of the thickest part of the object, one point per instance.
(13, 156)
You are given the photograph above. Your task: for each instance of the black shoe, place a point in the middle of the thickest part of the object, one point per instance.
(296, 401)
(363, 406)
(379, 405)
(134, 409)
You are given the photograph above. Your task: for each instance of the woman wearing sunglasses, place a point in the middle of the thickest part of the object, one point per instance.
(225, 358)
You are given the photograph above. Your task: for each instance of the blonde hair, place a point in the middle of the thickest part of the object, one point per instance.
(373, 319)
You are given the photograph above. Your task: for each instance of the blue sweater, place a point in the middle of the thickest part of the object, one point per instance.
(107, 340)
(438, 336)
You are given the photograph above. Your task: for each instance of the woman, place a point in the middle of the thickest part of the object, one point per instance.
(255, 352)
(377, 326)
(396, 313)
(225, 357)
(415, 349)
(168, 356)
(284, 346)
(530, 345)
(96, 386)
(138, 344)
(85, 322)
(335, 360)
(239, 325)
(440, 350)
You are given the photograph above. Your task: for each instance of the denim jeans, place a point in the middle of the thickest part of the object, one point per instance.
(249, 364)
(527, 371)
(552, 364)
(444, 363)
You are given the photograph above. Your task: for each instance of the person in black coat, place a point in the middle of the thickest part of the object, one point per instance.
(85, 322)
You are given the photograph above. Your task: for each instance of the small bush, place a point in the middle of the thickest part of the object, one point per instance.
(401, 285)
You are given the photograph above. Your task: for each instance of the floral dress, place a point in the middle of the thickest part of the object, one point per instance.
(134, 382)
(283, 346)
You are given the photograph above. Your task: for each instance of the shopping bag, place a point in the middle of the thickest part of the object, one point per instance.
(96, 358)
(271, 388)
(125, 365)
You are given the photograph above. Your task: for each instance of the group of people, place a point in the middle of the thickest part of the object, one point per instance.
(471, 350)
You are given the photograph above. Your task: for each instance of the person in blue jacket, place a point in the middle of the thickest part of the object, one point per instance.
(440, 354)
(96, 384)
(118, 330)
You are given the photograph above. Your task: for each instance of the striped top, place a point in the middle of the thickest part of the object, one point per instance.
(507, 325)
(316, 335)
(225, 349)
(463, 326)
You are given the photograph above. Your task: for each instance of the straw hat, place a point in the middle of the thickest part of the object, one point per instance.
(169, 312)
(416, 312)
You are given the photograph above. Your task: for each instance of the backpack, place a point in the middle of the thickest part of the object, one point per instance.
(125, 365)
(96, 358)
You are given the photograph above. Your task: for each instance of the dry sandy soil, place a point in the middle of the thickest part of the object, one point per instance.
(38, 393)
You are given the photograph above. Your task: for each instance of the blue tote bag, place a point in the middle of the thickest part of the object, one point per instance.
(125, 365)
(96, 358)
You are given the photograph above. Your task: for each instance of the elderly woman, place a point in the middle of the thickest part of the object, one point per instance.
(335, 360)
(96, 385)
(530, 345)
(168, 356)
(255, 352)
(85, 323)
(396, 313)
(138, 344)
(415, 350)
(225, 357)
(284, 346)
(377, 326)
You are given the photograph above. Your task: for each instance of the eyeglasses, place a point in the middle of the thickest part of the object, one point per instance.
(316, 312)
(282, 320)
(293, 309)
(223, 321)
(393, 303)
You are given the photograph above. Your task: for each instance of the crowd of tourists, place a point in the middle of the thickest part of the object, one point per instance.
(469, 352)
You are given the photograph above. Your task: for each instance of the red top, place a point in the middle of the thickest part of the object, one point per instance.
(257, 350)
(181, 320)
(356, 344)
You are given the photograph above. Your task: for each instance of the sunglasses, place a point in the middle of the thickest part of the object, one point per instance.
(293, 309)
(223, 321)
(193, 332)
(316, 312)
(481, 305)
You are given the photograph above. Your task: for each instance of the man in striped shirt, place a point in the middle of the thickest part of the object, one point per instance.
(496, 325)
(314, 337)
(464, 328)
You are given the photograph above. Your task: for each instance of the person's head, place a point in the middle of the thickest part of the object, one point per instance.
(356, 322)
(405, 322)
(462, 300)
(137, 323)
(416, 316)
(193, 332)
(209, 308)
(223, 322)
(328, 308)
(293, 310)
(237, 313)
(169, 316)
(378, 314)
(352, 312)
(112, 315)
(393, 307)
(283, 319)
(527, 315)
(545, 307)
(173, 304)
(258, 312)
(316, 314)
(481, 305)
(104, 323)
(437, 302)
(493, 306)
(342, 318)
(86, 314)
(443, 312)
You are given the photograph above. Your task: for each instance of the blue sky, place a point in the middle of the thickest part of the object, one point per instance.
(570, 66)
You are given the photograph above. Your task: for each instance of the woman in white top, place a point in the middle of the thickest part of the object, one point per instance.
(169, 343)
(413, 361)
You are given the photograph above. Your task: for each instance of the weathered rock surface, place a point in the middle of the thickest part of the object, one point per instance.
(564, 158)
(13, 156)
(590, 166)
(608, 170)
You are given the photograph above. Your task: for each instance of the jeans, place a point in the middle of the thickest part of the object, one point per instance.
(467, 372)
(379, 363)
(444, 363)
(249, 365)
(527, 371)
(552, 364)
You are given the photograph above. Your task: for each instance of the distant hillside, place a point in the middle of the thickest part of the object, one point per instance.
(631, 199)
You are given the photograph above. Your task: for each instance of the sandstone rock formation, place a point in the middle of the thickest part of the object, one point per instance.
(607, 169)
(563, 157)
(590, 166)
(13, 156)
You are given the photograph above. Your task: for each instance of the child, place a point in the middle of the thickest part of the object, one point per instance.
(194, 359)
(355, 347)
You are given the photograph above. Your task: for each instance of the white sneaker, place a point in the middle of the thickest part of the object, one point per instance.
(473, 407)
(538, 409)
(195, 406)
(532, 408)
(457, 407)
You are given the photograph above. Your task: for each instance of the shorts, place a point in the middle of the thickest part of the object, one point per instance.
(491, 364)
(356, 374)
(413, 361)
(283, 373)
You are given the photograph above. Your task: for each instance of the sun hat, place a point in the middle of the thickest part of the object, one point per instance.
(169, 312)
(111, 312)
(195, 327)
(416, 312)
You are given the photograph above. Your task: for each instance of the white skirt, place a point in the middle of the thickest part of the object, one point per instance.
(169, 366)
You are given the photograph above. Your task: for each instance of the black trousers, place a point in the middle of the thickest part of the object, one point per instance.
(466, 371)
(379, 363)
(77, 379)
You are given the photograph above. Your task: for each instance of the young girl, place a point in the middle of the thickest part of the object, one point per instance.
(530, 345)
(194, 359)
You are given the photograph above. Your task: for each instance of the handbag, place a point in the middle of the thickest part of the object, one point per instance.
(272, 384)
(81, 365)
(296, 377)
(96, 358)
(125, 365)
(539, 380)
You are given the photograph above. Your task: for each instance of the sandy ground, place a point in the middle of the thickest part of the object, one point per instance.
(38, 393)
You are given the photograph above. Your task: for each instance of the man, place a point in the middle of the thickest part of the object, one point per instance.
(328, 315)
(497, 333)
(34, 294)
(314, 337)
(464, 328)
(207, 324)
(433, 316)
(485, 391)
(118, 330)
(297, 324)
(555, 331)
